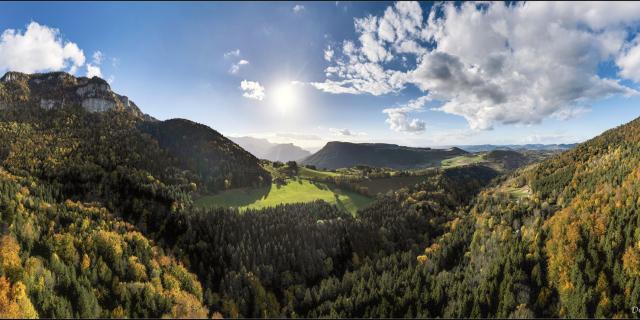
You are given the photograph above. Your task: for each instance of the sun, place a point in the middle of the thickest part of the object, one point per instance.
(284, 97)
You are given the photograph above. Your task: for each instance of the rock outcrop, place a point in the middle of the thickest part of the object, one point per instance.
(59, 89)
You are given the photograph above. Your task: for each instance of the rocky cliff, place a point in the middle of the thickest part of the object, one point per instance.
(60, 89)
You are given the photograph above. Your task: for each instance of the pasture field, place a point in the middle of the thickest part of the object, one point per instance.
(462, 160)
(294, 191)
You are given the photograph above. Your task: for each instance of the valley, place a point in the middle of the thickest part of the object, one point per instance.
(352, 188)
(319, 160)
(198, 228)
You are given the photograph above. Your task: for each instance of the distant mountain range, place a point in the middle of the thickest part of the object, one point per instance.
(518, 147)
(337, 154)
(264, 149)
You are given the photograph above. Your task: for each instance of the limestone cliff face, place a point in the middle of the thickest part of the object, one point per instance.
(59, 89)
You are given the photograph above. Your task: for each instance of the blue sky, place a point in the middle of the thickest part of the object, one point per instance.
(176, 60)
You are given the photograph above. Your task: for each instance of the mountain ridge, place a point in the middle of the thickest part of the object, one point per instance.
(338, 154)
(59, 89)
(264, 149)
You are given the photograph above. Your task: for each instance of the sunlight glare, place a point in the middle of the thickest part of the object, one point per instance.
(284, 97)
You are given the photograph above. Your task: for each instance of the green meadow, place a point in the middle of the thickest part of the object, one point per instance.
(462, 160)
(294, 191)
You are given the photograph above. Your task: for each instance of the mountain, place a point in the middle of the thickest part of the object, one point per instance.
(264, 149)
(518, 147)
(59, 89)
(563, 233)
(96, 221)
(207, 153)
(286, 152)
(216, 161)
(256, 146)
(90, 195)
(554, 239)
(97, 146)
(337, 154)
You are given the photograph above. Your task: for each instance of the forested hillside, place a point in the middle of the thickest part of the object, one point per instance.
(97, 220)
(75, 259)
(289, 259)
(555, 239)
(220, 163)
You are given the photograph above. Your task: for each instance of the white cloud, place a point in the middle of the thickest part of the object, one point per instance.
(629, 61)
(298, 8)
(97, 57)
(570, 113)
(491, 63)
(398, 118)
(235, 68)
(328, 53)
(252, 90)
(39, 48)
(93, 71)
(232, 53)
(346, 132)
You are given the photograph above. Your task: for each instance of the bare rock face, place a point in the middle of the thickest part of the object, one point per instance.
(98, 104)
(59, 89)
(48, 104)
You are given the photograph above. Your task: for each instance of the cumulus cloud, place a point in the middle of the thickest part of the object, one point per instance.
(93, 71)
(39, 48)
(93, 68)
(398, 117)
(629, 60)
(298, 8)
(346, 133)
(232, 53)
(328, 53)
(252, 90)
(235, 68)
(97, 57)
(491, 63)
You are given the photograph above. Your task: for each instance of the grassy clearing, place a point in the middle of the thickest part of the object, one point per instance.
(293, 191)
(305, 172)
(461, 161)
(518, 193)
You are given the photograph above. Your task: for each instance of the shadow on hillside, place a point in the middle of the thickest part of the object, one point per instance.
(339, 203)
(236, 198)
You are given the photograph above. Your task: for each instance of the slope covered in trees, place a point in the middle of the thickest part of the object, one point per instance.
(568, 247)
(108, 156)
(74, 259)
(96, 220)
(220, 163)
(273, 262)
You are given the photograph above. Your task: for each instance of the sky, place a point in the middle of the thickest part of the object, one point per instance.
(416, 74)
